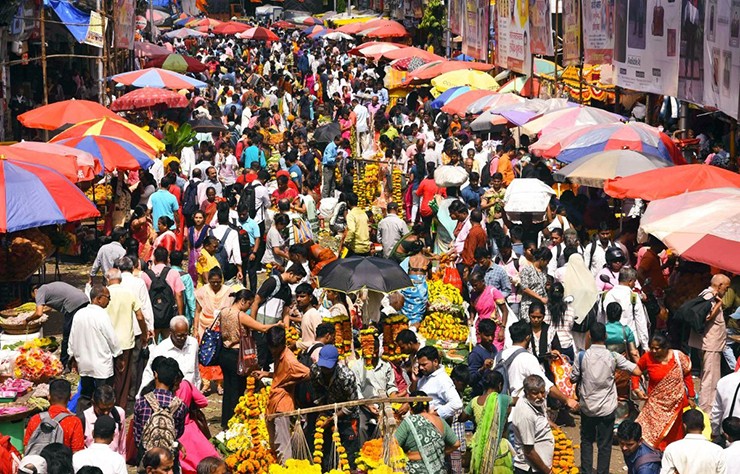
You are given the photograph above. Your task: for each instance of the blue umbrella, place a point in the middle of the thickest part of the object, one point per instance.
(448, 95)
(464, 57)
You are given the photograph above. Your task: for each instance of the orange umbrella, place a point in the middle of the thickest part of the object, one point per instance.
(459, 104)
(88, 166)
(384, 29)
(114, 128)
(412, 51)
(432, 70)
(66, 112)
(354, 28)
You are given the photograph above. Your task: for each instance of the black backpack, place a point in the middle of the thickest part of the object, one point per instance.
(306, 393)
(249, 198)
(245, 244)
(502, 367)
(694, 312)
(163, 298)
(190, 199)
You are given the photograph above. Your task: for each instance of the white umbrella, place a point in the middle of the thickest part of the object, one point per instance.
(337, 35)
(527, 195)
(592, 170)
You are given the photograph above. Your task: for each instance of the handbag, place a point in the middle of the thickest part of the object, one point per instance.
(247, 361)
(209, 349)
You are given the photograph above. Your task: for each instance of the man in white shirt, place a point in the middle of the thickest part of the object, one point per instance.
(229, 238)
(434, 381)
(210, 182)
(595, 252)
(633, 311)
(694, 453)
(187, 160)
(731, 427)
(136, 286)
(726, 401)
(93, 344)
(362, 124)
(390, 229)
(180, 346)
(534, 443)
(433, 155)
(99, 454)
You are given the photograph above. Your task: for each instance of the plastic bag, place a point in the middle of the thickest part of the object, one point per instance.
(452, 277)
(447, 176)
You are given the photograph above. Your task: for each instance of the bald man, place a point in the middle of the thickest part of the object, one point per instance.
(712, 341)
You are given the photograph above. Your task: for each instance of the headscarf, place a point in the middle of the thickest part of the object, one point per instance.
(579, 283)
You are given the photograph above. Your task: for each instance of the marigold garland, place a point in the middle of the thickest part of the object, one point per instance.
(392, 325)
(367, 343)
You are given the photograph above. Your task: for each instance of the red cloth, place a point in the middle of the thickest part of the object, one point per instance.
(291, 184)
(74, 434)
(247, 178)
(6, 460)
(289, 194)
(427, 190)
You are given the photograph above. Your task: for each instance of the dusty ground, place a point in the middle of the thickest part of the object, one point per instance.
(77, 275)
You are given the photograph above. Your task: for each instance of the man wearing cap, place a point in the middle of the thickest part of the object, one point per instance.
(390, 229)
(99, 454)
(336, 383)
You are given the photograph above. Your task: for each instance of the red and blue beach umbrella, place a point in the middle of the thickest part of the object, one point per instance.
(633, 136)
(155, 77)
(33, 195)
(112, 152)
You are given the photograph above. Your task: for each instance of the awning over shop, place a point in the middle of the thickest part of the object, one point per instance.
(76, 21)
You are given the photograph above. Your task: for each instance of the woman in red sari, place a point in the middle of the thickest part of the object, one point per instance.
(142, 230)
(669, 383)
(165, 238)
(210, 205)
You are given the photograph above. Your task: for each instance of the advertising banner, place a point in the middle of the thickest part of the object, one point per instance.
(646, 46)
(691, 53)
(96, 30)
(456, 19)
(475, 39)
(124, 24)
(540, 27)
(598, 29)
(571, 32)
(513, 36)
(722, 55)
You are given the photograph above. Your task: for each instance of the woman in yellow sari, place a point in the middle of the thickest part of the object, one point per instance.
(206, 260)
(210, 299)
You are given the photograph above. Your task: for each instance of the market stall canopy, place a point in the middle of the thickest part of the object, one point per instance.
(33, 195)
(673, 181)
(411, 51)
(313, 30)
(88, 165)
(374, 49)
(352, 274)
(384, 29)
(472, 78)
(209, 23)
(701, 226)
(635, 136)
(66, 112)
(527, 195)
(434, 69)
(65, 164)
(149, 97)
(230, 28)
(147, 49)
(569, 118)
(448, 95)
(493, 100)
(176, 62)
(258, 34)
(114, 128)
(354, 28)
(592, 170)
(285, 25)
(550, 144)
(459, 104)
(183, 33)
(114, 153)
(156, 77)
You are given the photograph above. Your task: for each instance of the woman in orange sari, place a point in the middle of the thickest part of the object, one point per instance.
(142, 230)
(210, 205)
(210, 299)
(669, 383)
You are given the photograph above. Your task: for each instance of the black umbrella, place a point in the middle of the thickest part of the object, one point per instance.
(326, 133)
(202, 125)
(355, 273)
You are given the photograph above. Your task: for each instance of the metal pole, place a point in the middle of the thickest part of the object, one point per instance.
(151, 21)
(44, 77)
(98, 7)
(683, 117)
(449, 32)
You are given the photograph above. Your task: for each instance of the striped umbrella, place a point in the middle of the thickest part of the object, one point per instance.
(33, 195)
(114, 128)
(569, 118)
(156, 77)
(701, 226)
(114, 153)
(592, 170)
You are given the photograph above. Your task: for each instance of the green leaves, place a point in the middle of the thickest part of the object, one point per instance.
(177, 139)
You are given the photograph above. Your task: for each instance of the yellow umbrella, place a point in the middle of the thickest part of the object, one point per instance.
(465, 77)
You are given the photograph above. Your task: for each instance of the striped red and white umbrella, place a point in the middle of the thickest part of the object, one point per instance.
(569, 118)
(701, 226)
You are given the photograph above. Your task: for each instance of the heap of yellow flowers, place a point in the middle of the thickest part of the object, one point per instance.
(443, 294)
(397, 192)
(247, 439)
(296, 466)
(103, 193)
(392, 325)
(291, 337)
(443, 326)
(563, 461)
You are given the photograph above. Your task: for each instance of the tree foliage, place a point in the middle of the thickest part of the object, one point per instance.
(434, 20)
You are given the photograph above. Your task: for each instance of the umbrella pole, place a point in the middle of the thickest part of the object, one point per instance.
(44, 77)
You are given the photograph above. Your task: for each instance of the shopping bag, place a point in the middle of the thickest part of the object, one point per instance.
(561, 369)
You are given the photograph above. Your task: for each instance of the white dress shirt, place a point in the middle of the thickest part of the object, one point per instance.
(693, 454)
(100, 455)
(93, 343)
(732, 455)
(440, 387)
(727, 390)
(187, 160)
(137, 286)
(187, 359)
(633, 312)
(597, 262)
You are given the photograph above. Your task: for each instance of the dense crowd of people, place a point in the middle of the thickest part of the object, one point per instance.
(232, 232)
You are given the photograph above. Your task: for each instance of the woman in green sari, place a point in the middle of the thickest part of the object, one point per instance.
(491, 453)
(425, 438)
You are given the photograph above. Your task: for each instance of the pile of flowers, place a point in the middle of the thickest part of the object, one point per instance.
(371, 458)
(563, 461)
(103, 193)
(396, 175)
(245, 443)
(291, 337)
(443, 326)
(296, 466)
(443, 296)
(36, 365)
(392, 325)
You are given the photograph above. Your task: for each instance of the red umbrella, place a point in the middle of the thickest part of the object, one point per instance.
(673, 181)
(432, 70)
(286, 25)
(149, 97)
(59, 114)
(259, 34)
(354, 28)
(193, 65)
(230, 28)
(88, 166)
(63, 164)
(459, 104)
(384, 29)
(410, 52)
(310, 21)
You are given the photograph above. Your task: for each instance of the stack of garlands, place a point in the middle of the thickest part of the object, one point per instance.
(358, 184)
(367, 343)
(563, 461)
(392, 325)
(318, 449)
(342, 333)
(396, 175)
(371, 182)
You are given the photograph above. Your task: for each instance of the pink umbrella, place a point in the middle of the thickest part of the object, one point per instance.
(87, 165)
(459, 104)
(259, 34)
(384, 29)
(375, 49)
(412, 51)
(569, 118)
(146, 49)
(550, 144)
(701, 226)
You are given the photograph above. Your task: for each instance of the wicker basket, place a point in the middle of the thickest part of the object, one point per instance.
(19, 329)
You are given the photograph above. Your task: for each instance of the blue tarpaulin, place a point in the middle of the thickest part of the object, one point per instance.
(76, 21)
